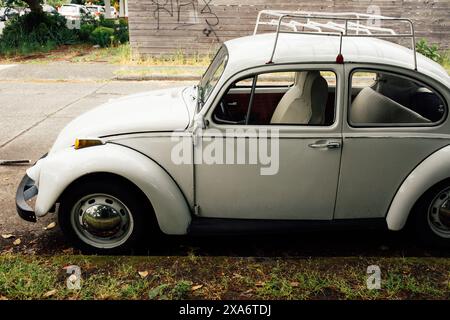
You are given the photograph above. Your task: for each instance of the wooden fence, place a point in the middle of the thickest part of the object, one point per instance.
(160, 27)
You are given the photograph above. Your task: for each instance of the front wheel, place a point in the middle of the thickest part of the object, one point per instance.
(103, 216)
(432, 215)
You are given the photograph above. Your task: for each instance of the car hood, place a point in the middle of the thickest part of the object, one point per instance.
(159, 110)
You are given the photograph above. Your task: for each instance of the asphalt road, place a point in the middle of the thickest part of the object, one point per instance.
(32, 114)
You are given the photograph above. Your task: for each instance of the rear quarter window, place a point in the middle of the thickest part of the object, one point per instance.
(388, 99)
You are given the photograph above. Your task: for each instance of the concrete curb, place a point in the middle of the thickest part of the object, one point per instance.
(116, 78)
(158, 77)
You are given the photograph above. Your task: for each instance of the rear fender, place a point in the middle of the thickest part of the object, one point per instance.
(431, 171)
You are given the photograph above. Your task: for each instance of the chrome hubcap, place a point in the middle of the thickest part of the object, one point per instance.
(439, 214)
(102, 221)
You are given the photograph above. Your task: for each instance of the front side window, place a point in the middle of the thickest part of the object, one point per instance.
(386, 99)
(294, 97)
(212, 74)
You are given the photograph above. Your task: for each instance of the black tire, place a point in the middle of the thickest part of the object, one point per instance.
(420, 217)
(121, 189)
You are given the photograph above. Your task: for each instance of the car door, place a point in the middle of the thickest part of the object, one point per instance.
(393, 121)
(296, 179)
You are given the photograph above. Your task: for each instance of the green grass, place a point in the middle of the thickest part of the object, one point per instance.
(446, 61)
(176, 64)
(26, 49)
(193, 277)
(122, 54)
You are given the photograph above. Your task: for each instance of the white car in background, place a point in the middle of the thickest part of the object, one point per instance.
(45, 7)
(362, 141)
(8, 13)
(49, 9)
(114, 13)
(97, 11)
(74, 11)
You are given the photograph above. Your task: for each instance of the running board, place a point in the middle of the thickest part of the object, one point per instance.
(220, 226)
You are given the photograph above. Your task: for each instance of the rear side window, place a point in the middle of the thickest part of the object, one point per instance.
(386, 99)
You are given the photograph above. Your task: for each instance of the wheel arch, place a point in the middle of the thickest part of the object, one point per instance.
(421, 198)
(107, 177)
(58, 172)
(433, 170)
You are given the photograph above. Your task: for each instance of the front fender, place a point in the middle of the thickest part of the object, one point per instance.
(432, 170)
(57, 171)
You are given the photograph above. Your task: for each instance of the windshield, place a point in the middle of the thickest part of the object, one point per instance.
(212, 75)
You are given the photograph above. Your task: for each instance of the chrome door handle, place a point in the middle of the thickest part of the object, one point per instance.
(326, 144)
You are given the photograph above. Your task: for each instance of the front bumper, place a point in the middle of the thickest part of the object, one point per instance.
(26, 190)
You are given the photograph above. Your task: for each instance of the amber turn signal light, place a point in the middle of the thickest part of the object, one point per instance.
(85, 143)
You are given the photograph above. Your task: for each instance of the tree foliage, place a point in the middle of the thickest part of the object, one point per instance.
(34, 5)
(429, 50)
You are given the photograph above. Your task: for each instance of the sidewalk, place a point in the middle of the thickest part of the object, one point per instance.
(65, 71)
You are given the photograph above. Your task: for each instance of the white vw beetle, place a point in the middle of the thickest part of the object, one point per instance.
(357, 127)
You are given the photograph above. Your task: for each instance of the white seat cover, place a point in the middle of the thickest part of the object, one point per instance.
(304, 102)
(370, 106)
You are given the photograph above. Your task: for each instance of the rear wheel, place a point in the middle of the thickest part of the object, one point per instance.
(104, 216)
(432, 215)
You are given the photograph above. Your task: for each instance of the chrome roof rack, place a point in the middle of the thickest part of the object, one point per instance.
(345, 24)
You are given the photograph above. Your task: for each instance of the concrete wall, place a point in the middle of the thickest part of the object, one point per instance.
(159, 27)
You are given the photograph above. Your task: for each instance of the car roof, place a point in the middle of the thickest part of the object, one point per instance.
(255, 50)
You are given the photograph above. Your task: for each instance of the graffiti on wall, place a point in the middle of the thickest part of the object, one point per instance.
(187, 13)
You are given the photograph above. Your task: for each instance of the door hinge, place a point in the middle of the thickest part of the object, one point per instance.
(197, 210)
(195, 138)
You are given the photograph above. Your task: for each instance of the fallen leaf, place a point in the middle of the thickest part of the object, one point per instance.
(259, 283)
(248, 291)
(30, 251)
(199, 286)
(143, 274)
(294, 284)
(7, 236)
(9, 250)
(3, 298)
(17, 242)
(50, 293)
(50, 226)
